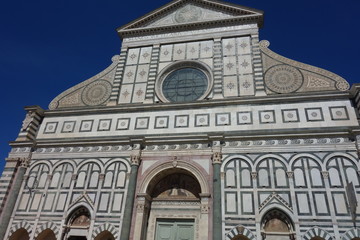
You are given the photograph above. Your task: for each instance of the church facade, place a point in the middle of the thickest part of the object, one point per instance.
(196, 131)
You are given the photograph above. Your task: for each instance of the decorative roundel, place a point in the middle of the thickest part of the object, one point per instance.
(96, 93)
(184, 82)
(188, 14)
(283, 79)
(342, 85)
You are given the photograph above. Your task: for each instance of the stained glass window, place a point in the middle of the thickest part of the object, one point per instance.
(185, 85)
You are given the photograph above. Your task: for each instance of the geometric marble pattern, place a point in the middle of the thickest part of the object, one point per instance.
(104, 125)
(68, 126)
(314, 114)
(86, 125)
(339, 113)
(223, 119)
(290, 115)
(162, 122)
(123, 124)
(244, 118)
(182, 121)
(267, 116)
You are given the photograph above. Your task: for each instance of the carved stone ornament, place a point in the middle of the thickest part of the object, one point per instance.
(205, 208)
(290, 174)
(240, 229)
(96, 93)
(283, 79)
(325, 174)
(254, 175)
(175, 161)
(24, 162)
(188, 13)
(284, 76)
(217, 158)
(135, 159)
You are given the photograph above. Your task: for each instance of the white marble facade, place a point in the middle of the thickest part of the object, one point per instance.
(267, 149)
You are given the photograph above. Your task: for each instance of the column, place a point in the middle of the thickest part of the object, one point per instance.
(125, 231)
(13, 196)
(217, 218)
(334, 223)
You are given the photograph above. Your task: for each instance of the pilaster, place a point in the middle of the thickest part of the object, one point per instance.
(118, 78)
(135, 159)
(218, 69)
(150, 88)
(217, 218)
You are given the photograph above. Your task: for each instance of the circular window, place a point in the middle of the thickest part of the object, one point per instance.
(184, 82)
(184, 85)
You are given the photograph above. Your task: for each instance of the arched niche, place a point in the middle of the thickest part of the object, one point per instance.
(105, 235)
(47, 234)
(277, 225)
(77, 224)
(174, 185)
(20, 234)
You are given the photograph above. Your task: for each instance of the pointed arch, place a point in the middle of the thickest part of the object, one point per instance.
(351, 234)
(317, 232)
(240, 231)
(48, 225)
(105, 227)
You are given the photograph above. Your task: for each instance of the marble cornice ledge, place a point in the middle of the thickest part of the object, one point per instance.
(266, 100)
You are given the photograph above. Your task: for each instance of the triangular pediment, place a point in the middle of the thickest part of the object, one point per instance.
(276, 200)
(83, 198)
(191, 14)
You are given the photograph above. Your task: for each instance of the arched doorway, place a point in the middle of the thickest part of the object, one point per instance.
(20, 234)
(171, 195)
(276, 225)
(47, 234)
(77, 225)
(105, 235)
(172, 204)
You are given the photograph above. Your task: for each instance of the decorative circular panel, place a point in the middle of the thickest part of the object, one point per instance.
(184, 85)
(283, 79)
(188, 14)
(96, 93)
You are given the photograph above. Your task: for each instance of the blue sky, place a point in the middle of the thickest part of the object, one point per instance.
(48, 46)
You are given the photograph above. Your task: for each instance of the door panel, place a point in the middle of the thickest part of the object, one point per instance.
(173, 229)
(185, 232)
(164, 231)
